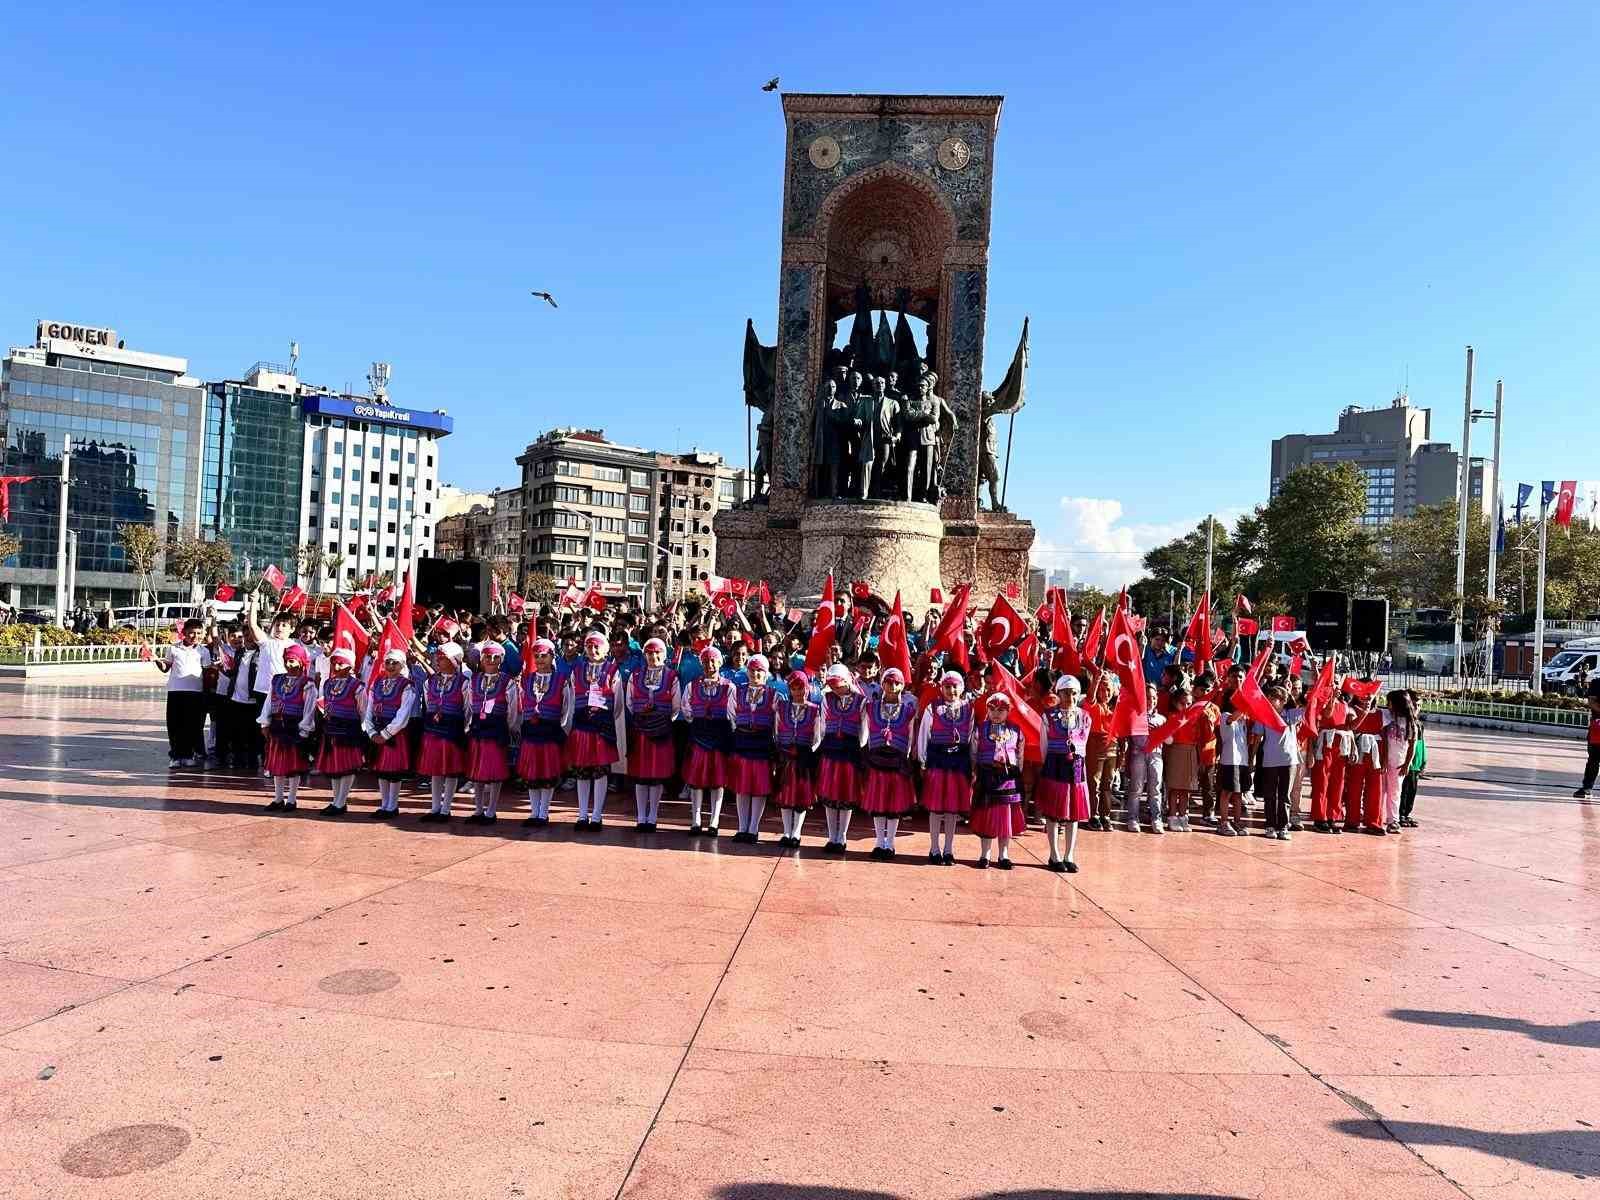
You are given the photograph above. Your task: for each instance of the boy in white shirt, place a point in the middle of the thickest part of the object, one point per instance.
(184, 665)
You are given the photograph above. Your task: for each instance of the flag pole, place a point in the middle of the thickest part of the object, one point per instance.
(61, 533)
(1211, 524)
(1465, 490)
(1495, 533)
(1538, 601)
(1005, 480)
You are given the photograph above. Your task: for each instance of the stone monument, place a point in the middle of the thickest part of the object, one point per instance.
(871, 453)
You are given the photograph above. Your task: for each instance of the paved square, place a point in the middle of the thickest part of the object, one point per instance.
(199, 999)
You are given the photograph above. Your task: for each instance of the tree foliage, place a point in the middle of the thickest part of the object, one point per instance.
(141, 550)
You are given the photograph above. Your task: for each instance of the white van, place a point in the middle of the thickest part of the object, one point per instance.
(151, 618)
(1573, 666)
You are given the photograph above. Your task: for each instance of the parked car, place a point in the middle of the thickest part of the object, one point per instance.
(35, 616)
(1570, 669)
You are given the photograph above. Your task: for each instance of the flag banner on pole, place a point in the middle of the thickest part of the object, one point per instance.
(273, 577)
(1547, 492)
(1524, 490)
(1003, 628)
(224, 592)
(822, 631)
(1564, 502)
(894, 650)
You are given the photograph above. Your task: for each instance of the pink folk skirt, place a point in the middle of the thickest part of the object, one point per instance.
(838, 783)
(706, 768)
(336, 760)
(392, 760)
(749, 776)
(651, 760)
(1061, 801)
(539, 763)
(588, 751)
(999, 820)
(946, 791)
(797, 788)
(487, 761)
(441, 756)
(286, 759)
(889, 793)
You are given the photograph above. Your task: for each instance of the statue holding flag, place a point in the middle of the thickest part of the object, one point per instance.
(1009, 397)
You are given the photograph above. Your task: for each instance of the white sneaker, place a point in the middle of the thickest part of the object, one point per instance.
(1226, 830)
(1157, 827)
(1131, 825)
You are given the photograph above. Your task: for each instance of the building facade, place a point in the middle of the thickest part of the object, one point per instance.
(589, 513)
(692, 489)
(254, 441)
(1392, 447)
(135, 422)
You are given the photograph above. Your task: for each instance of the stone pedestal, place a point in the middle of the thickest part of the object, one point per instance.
(755, 543)
(893, 546)
(988, 552)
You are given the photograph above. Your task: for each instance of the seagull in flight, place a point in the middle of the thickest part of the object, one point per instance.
(770, 85)
(547, 298)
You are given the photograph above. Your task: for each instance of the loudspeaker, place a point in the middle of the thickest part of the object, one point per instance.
(1369, 624)
(454, 583)
(1327, 620)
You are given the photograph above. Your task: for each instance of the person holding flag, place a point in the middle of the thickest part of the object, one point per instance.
(1104, 751)
(651, 700)
(997, 797)
(1062, 792)
(288, 715)
(344, 741)
(444, 729)
(839, 776)
(885, 738)
(944, 748)
(597, 743)
(388, 703)
(750, 763)
(492, 699)
(545, 703)
(796, 734)
(1280, 752)
(1235, 753)
(707, 706)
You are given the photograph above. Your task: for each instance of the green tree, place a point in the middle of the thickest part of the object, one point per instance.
(141, 549)
(538, 587)
(1311, 537)
(1185, 558)
(307, 559)
(331, 562)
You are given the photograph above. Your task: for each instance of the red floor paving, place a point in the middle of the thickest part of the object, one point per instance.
(199, 999)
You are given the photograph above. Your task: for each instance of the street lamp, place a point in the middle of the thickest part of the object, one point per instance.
(1188, 598)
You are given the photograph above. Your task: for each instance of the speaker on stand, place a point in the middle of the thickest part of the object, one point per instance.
(1369, 624)
(1328, 621)
(453, 583)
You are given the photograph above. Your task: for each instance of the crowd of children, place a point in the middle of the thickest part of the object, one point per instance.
(694, 704)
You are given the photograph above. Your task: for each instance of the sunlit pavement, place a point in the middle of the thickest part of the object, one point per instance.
(198, 998)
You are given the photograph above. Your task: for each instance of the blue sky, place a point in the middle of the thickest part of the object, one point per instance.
(1225, 224)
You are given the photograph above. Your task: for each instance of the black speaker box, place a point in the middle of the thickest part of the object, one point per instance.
(454, 583)
(1369, 624)
(1327, 620)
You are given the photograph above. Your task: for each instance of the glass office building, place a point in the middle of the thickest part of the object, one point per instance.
(250, 493)
(134, 420)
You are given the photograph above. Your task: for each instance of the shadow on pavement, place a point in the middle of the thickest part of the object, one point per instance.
(1584, 1034)
(791, 1191)
(1573, 1152)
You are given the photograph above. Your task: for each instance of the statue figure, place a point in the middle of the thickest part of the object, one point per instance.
(891, 466)
(1009, 397)
(872, 413)
(760, 378)
(919, 418)
(825, 435)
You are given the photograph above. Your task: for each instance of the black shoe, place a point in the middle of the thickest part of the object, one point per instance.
(640, 827)
(649, 826)
(475, 819)
(530, 822)
(712, 831)
(1375, 831)
(948, 860)
(1072, 868)
(1335, 829)
(983, 864)
(1296, 827)
(1055, 864)
(935, 858)
(693, 831)
(333, 810)
(275, 806)
(888, 852)
(379, 814)
(834, 848)
(1003, 865)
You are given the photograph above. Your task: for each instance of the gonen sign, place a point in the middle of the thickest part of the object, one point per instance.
(80, 335)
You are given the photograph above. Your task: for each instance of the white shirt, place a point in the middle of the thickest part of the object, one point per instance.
(269, 661)
(186, 663)
(1233, 740)
(242, 679)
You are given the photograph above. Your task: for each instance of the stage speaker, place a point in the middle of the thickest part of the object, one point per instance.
(1327, 620)
(1369, 624)
(454, 583)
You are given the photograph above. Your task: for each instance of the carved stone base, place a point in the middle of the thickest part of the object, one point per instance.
(756, 543)
(893, 546)
(990, 552)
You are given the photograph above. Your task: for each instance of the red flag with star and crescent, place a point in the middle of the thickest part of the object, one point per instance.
(5, 492)
(1123, 656)
(1003, 628)
(893, 648)
(822, 632)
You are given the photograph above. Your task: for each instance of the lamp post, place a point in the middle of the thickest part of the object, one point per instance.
(1188, 595)
(1495, 528)
(1461, 513)
(61, 533)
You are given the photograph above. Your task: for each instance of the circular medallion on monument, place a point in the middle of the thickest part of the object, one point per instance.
(824, 152)
(954, 154)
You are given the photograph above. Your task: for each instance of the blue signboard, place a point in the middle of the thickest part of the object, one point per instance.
(360, 409)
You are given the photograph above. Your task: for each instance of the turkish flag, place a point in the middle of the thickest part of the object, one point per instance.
(224, 592)
(1174, 725)
(1253, 701)
(1259, 663)
(273, 577)
(947, 637)
(1319, 695)
(822, 631)
(935, 596)
(593, 599)
(1564, 502)
(294, 598)
(515, 603)
(348, 633)
(360, 607)
(572, 597)
(893, 648)
(1247, 627)
(1027, 717)
(860, 589)
(1003, 628)
(445, 628)
(764, 593)
(1283, 624)
(1295, 664)
(404, 618)
(1198, 635)
(1028, 655)
(1067, 657)
(1014, 590)
(1241, 604)
(1131, 714)
(739, 587)
(385, 594)
(1092, 636)
(391, 639)
(1361, 689)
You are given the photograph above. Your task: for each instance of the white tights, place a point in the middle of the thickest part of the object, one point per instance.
(592, 798)
(942, 824)
(885, 828)
(285, 788)
(750, 810)
(539, 802)
(697, 798)
(1053, 829)
(486, 798)
(793, 819)
(444, 792)
(388, 795)
(341, 786)
(647, 800)
(985, 843)
(838, 824)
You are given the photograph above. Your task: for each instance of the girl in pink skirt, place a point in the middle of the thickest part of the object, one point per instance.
(444, 729)
(288, 715)
(944, 748)
(997, 799)
(796, 732)
(491, 716)
(344, 742)
(1062, 792)
(596, 743)
(389, 702)
(839, 774)
(750, 764)
(707, 704)
(545, 701)
(652, 699)
(886, 737)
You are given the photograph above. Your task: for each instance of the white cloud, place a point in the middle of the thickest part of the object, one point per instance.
(1092, 539)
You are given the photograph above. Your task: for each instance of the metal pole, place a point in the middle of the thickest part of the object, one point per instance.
(1211, 525)
(1461, 518)
(1495, 526)
(1538, 602)
(61, 533)
(72, 568)
(1171, 596)
(1005, 480)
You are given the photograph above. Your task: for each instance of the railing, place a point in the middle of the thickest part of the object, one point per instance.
(1529, 714)
(1445, 681)
(38, 655)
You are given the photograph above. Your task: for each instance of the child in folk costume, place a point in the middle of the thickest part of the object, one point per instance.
(796, 733)
(546, 703)
(289, 714)
(750, 764)
(651, 699)
(1062, 792)
(387, 713)
(1330, 751)
(707, 705)
(444, 729)
(344, 742)
(492, 698)
(944, 748)
(1363, 772)
(839, 777)
(596, 743)
(997, 798)
(887, 735)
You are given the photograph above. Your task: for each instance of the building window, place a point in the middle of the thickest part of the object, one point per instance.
(639, 478)
(375, 477)
(338, 472)
(635, 574)
(372, 502)
(411, 458)
(315, 497)
(372, 527)
(335, 498)
(430, 460)
(637, 528)
(638, 553)
(352, 523)
(609, 474)
(388, 551)
(355, 449)
(352, 549)
(394, 455)
(333, 547)
(639, 503)
(391, 526)
(394, 503)
(338, 447)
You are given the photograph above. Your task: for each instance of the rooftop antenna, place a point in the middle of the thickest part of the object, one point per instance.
(294, 356)
(378, 381)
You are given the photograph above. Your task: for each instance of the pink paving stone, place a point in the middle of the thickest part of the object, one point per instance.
(1190, 1015)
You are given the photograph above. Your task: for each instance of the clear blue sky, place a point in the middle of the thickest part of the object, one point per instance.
(1225, 225)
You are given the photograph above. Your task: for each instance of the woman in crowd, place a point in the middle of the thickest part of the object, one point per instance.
(389, 702)
(444, 730)
(492, 698)
(750, 765)
(596, 743)
(652, 699)
(288, 715)
(797, 732)
(1400, 734)
(546, 708)
(839, 777)
(997, 796)
(344, 741)
(1063, 788)
(1103, 754)
(885, 738)
(707, 705)
(944, 748)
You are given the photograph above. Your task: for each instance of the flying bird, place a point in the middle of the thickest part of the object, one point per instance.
(547, 298)
(770, 85)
